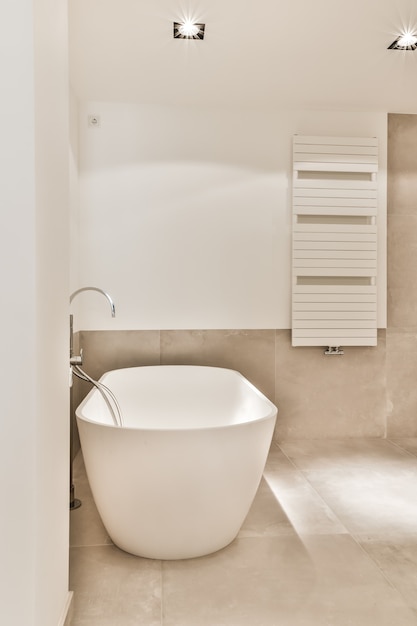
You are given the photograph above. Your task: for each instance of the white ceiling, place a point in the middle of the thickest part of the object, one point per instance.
(326, 54)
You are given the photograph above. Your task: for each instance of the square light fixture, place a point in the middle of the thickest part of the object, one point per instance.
(406, 41)
(188, 30)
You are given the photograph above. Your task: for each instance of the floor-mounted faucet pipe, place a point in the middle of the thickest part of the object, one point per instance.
(76, 361)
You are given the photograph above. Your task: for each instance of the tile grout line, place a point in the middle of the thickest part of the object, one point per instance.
(286, 456)
(355, 536)
(400, 447)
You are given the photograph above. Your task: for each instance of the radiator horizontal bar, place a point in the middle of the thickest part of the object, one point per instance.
(320, 182)
(307, 166)
(311, 316)
(335, 157)
(333, 201)
(334, 341)
(334, 333)
(333, 324)
(333, 254)
(335, 192)
(353, 272)
(335, 245)
(335, 141)
(323, 148)
(357, 229)
(341, 284)
(335, 297)
(306, 235)
(334, 306)
(324, 264)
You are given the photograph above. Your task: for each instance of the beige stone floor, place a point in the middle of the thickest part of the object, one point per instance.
(331, 540)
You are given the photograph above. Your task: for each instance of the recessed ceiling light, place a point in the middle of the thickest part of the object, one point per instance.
(188, 30)
(406, 41)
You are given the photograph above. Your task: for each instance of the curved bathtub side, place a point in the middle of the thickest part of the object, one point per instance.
(174, 494)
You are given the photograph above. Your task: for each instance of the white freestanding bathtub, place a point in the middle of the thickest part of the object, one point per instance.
(177, 480)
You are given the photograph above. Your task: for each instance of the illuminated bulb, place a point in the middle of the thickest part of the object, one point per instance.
(407, 39)
(188, 29)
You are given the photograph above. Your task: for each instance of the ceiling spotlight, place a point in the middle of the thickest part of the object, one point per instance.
(188, 30)
(406, 41)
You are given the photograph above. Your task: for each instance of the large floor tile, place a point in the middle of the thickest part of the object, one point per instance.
(375, 502)
(113, 588)
(282, 580)
(305, 509)
(397, 558)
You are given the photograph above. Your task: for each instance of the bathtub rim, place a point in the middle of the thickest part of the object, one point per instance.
(271, 414)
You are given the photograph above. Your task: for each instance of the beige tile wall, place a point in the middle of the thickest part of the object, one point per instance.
(329, 396)
(368, 392)
(317, 395)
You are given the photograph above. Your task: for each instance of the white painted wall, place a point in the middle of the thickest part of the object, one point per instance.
(74, 199)
(17, 315)
(52, 290)
(34, 313)
(185, 213)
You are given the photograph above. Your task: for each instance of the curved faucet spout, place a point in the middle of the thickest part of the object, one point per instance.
(113, 308)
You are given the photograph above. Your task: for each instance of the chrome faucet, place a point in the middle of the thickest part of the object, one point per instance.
(113, 309)
(78, 360)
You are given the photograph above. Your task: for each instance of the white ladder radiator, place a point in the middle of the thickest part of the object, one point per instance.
(334, 241)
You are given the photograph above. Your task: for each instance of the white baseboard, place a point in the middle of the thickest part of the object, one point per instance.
(66, 613)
